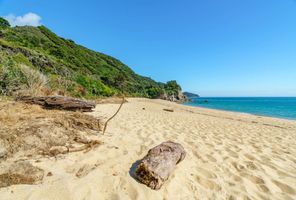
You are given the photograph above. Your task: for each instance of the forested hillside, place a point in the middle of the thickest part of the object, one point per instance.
(35, 59)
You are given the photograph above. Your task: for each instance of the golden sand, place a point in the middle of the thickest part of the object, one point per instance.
(229, 156)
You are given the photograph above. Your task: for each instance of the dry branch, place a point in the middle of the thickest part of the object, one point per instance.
(106, 123)
(55, 150)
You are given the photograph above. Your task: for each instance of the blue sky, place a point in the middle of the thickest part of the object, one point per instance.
(213, 47)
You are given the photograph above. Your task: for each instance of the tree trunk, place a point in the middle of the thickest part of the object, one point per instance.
(60, 102)
(154, 169)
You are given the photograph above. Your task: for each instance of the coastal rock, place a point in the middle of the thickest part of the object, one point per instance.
(181, 97)
(154, 169)
(20, 173)
(174, 98)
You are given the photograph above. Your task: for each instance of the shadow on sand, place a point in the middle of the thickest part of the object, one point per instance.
(133, 168)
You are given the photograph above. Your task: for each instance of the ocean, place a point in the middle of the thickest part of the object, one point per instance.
(280, 107)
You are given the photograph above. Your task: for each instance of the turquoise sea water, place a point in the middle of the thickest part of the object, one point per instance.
(280, 107)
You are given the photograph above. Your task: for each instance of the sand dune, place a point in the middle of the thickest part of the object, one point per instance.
(229, 156)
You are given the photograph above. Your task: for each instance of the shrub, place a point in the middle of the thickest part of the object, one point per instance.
(94, 87)
(4, 23)
(11, 78)
(172, 87)
(20, 79)
(34, 81)
(21, 59)
(154, 92)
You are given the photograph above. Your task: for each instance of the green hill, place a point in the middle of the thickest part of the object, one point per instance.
(190, 95)
(35, 57)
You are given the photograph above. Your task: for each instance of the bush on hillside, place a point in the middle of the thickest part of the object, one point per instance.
(34, 81)
(4, 23)
(154, 92)
(172, 88)
(19, 79)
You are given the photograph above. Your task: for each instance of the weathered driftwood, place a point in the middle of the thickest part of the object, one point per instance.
(60, 102)
(168, 110)
(154, 169)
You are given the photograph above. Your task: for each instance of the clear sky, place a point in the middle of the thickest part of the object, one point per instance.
(211, 47)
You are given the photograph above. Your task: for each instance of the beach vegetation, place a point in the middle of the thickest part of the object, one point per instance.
(4, 23)
(70, 68)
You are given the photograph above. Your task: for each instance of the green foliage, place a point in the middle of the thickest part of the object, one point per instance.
(11, 77)
(21, 59)
(94, 87)
(4, 23)
(172, 87)
(155, 92)
(75, 69)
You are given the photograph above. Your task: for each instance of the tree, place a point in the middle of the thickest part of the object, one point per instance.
(154, 92)
(172, 87)
(4, 23)
(120, 81)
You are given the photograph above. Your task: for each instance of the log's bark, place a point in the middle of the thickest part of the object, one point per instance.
(154, 169)
(60, 102)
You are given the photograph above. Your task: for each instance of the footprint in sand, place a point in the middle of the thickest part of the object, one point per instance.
(250, 157)
(238, 167)
(250, 165)
(237, 178)
(211, 158)
(232, 153)
(285, 188)
(208, 184)
(263, 188)
(207, 173)
(252, 178)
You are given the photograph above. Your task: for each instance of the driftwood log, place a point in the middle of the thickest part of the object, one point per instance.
(154, 169)
(59, 102)
(168, 110)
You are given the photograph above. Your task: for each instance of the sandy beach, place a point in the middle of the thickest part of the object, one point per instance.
(229, 156)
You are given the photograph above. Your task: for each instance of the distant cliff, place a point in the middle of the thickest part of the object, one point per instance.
(190, 95)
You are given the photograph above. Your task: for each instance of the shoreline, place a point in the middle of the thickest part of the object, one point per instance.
(245, 113)
(242, 105)
(229, 156)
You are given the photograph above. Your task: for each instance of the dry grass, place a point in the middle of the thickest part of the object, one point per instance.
(30, 130)
(35, 81)
(20, 173)
(21, 80)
